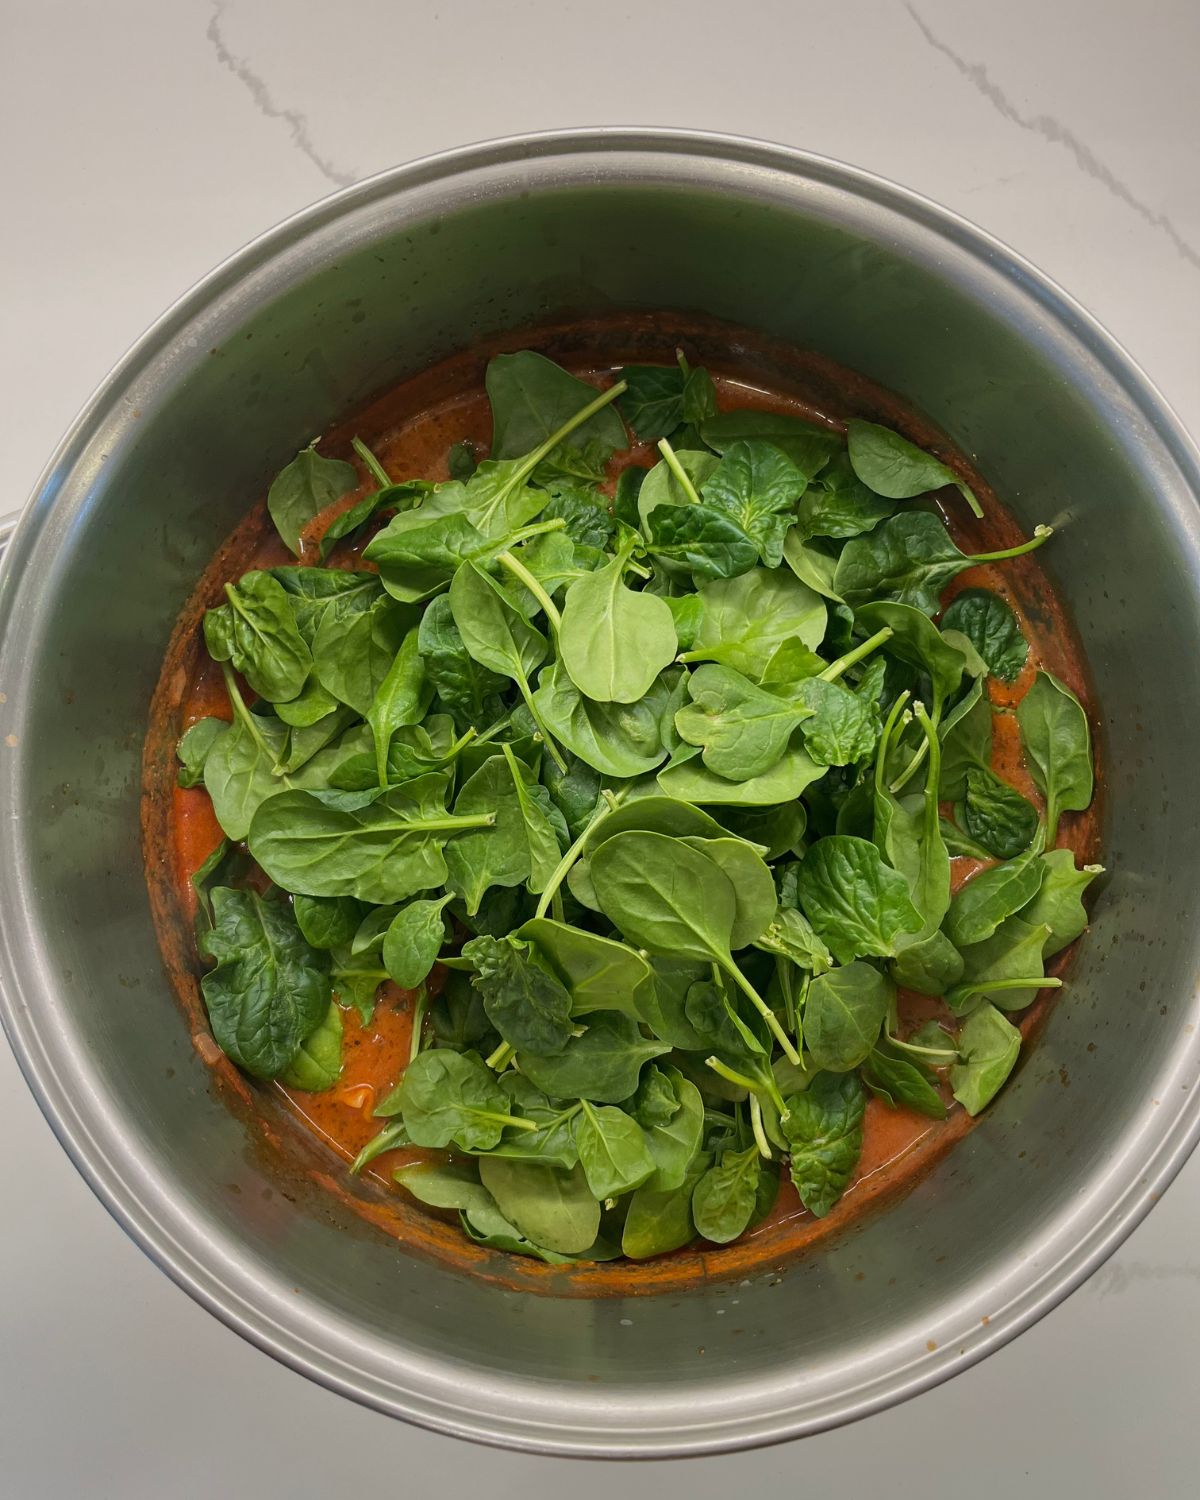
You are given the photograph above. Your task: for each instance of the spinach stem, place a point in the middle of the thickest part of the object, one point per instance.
(835, 669)
(756, 1125)
(730, 1075)
(420, 1006)
(552, 748)
(676, 468)
(752, 1086)
(1040, 534)
(506, 1120)
(1033, 982)
(562, 869)
(380, 474)
(500, 1059)
(764, 1010)
(885, 740)
(783, 971)
(584, 414)
(947, 1053)
(522, 573)
(924, 747)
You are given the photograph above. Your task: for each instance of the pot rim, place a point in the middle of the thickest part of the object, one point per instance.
(71, 1114)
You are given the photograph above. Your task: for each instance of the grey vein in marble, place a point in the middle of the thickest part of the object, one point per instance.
(296, 122)
(1054, 131)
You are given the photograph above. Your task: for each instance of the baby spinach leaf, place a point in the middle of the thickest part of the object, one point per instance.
(303, 488)
(1054, 732)
(811, 565)
(653, 404)
(402, 700)
(689, 780)
(660, 1220)
(839, 505)
(500, 852)
(840, 728)
(894, 467)
(901, 1082)
(910, 558)
(674, 1141)
(625, 497)
(776, 830)
(528, 1006)
(612, 1151)
(675, 901)
(451, 1097)
(844, 1014)
(616, 739)
(573, 464)
(382, 851)
(991, 627)
(824, 1131)
(666, 897)
(413, 941)
(601, 974)
(551, 1141)
(462, 460)
(494, 632)
(574, 792)
(586, 515)
(743, 730)
(445, 1184)
(532, 398)
(354, 648)
(747, 619)
(662, 487)
(1058, 904)
(313, 706)
(966, 739)
(601, 1065)
(700, 538)
(916, 640)
(194, 744)
(856, 903)
(790, 935)
(753, 887)
(930, 965)
(723, 1200)
(757, 485)
(988, 1046)
(613, 641)
(387, 497)
(239, 769)
(419, 550)
(328, 922)
(313, 591)
(269, 989)
(808, 446)
(257, 631)
(318, 1064)
(989, 898)
(467, 690)
(996, 815)
(1012, 953)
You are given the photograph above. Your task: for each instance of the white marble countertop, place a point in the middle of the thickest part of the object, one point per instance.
(144, 141)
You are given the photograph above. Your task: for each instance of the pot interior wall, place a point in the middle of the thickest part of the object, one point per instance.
(146, 494)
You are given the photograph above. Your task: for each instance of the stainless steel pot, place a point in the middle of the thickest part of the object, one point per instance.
(361, 290)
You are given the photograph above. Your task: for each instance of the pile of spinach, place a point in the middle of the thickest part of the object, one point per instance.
(656, 772)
